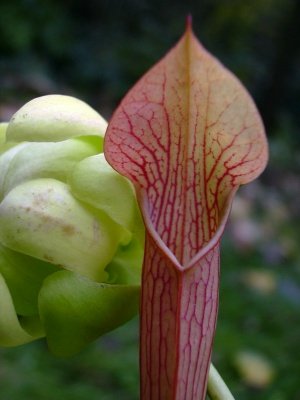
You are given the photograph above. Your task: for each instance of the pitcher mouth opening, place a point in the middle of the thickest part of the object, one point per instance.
(214, 240)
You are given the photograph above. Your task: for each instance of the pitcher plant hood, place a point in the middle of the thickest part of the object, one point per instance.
(187, 135)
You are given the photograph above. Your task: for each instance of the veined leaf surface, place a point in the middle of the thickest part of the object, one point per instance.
(187, 135)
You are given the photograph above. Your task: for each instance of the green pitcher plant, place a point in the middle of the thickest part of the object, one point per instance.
(71, 236)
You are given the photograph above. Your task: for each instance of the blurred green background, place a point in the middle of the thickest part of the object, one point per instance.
(96, 50)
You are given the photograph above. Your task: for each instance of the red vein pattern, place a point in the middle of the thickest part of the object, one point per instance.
(187, 135)
(177, 359)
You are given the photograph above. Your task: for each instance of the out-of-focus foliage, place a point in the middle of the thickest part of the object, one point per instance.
(96, 50)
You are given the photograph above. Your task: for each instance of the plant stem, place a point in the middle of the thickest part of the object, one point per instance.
(216, 388)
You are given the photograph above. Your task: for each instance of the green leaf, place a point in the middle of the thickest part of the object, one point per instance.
(96, 183)
(3, 127)
(42, 219)
(32, 325)
(75, 310)
(11, 331)
(30, 161)
(4, 145)
(54, 118)
(5, 162)
(126, 266)
(24, 276)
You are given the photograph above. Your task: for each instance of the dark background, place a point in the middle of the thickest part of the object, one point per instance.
(96, 50)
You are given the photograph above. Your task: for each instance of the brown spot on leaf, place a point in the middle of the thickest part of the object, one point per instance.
(68, 230)
(48, 258)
